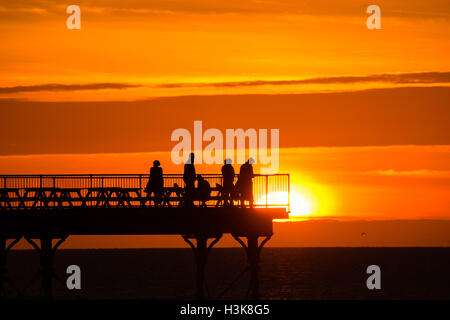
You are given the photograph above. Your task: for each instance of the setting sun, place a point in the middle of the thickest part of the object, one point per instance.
(299, 204)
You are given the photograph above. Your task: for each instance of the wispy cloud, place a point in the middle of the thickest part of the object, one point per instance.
(66, 87)
(415, 9)
(401, 78)
(413, 173)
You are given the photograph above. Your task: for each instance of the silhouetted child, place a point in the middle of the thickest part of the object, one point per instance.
(204, 190)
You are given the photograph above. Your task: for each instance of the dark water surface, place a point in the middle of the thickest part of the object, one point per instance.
(286, 273)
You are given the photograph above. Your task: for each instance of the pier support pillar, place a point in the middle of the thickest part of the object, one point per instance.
(4, 250)
(253, 251)
(46, 256)
(201, 252)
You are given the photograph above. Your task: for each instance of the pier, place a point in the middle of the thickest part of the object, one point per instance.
(46, 210)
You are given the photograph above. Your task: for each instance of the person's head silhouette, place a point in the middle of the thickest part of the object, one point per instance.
(228, 161)
(156, 163)
(191, 158)
(251, 160)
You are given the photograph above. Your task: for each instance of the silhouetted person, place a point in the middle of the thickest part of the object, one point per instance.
(156, 182)
(246, 182)
(189, 181)
(204, 189)
(228, 179)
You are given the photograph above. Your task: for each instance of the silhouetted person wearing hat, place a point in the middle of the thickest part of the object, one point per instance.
(189, 181)
(156, 182)
(228, 180)
(246, 182)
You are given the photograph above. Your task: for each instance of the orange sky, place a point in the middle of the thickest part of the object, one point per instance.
(149, 43)
(363, 114)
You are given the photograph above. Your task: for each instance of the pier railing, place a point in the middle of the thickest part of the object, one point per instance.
(127, 190)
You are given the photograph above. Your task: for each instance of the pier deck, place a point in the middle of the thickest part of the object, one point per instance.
(46, 210)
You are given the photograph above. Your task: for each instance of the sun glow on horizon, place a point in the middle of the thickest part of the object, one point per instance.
(299, 207)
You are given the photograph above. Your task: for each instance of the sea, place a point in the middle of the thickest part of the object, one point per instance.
(311, 273)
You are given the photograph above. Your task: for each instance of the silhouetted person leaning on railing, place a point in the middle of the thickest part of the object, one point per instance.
(204, 190)
(155, 184)
(228, 180)
(189, 181)
(245, 182)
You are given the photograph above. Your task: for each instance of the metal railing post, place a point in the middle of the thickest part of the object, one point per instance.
(289, 193)
(267, 191)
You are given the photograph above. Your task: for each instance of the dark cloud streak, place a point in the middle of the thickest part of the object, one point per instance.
(66, 87)
(403, 78)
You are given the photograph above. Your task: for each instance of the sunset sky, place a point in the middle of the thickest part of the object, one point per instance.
(363, 114)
